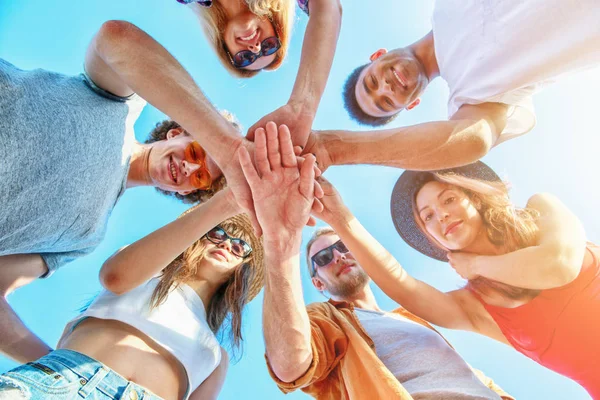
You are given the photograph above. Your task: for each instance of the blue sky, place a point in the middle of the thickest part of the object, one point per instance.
(559, 156)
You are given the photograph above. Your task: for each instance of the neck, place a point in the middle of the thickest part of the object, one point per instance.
(364, 299)
(139, 173)
(424, 51)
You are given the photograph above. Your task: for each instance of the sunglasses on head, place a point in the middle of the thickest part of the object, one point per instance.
(201, 178)
(239, 247)
(325, 256)
(244, 58)
(203, 3)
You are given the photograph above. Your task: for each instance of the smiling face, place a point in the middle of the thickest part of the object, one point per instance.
(343, 276)
(168, 168)
(219, 258)
(246, 31)
(392, 82)
(448, 215)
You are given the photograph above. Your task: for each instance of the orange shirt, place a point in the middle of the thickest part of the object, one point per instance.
(345, 365)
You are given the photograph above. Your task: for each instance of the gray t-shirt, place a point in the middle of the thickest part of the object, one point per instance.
(421, 359)
(64, 158)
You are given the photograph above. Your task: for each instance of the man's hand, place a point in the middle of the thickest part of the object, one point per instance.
(463, 263)
(282, 189)
(316, 145)
(295, 116)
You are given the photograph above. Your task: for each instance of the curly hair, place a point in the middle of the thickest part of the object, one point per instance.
(351, 104)
(198, 196)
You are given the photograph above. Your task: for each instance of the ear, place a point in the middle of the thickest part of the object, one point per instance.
(318, 284)
(377, 54)
(172, 133)
(414, 104)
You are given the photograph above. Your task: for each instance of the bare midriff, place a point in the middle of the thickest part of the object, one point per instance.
(130, 353)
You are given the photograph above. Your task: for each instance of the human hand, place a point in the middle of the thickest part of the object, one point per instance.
(294, 115)
(236, 182)
(315, 145)
(334, 210)
(463, 263)
(282, 189)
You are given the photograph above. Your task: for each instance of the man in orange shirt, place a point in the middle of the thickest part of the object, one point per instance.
(346, 348)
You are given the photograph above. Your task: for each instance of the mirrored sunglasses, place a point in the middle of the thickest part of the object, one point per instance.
(239, 247)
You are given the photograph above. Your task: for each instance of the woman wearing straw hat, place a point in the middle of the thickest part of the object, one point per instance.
(251, 35)
(533, 281)
(151, 334)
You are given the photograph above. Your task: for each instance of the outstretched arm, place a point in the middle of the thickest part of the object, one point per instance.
(554, 261)
(464, 139)
(16, 340)
(318, 49)
(124, 59)
(140, 261)
(283, 198)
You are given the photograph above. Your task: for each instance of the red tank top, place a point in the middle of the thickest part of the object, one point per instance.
(560, 328)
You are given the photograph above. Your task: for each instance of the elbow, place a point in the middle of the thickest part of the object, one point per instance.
(115, 32)
(480, 141)
(112, 281)
(291, 368)
(567, 264)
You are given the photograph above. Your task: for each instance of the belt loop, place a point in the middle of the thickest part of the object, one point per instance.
(89, 386)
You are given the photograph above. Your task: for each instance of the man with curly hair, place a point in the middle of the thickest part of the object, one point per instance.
(68, 152)
(494, 55)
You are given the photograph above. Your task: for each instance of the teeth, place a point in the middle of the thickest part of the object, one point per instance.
(173, 171)
(251, 36)
(397, 77)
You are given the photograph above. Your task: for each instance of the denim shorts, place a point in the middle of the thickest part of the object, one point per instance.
(66, 374)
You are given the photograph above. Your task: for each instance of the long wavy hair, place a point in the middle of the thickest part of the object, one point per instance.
(507, 226)
(230, 299)
(214, 20)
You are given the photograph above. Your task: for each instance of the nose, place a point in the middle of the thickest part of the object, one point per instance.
(255, 48)
(225, 244)
(338, 256)
(189, 167)
(442, 215)
(386, 87)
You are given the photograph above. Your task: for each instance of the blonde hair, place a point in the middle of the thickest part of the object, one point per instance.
(214, 21)
(230, 299)
(507, 226)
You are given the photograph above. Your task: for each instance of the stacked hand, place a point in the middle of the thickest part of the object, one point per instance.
(282, 185)
(463, 263)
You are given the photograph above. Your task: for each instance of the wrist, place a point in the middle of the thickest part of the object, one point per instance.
(282, 243)
(303, 104)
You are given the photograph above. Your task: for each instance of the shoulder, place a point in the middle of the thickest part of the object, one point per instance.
(544, 202)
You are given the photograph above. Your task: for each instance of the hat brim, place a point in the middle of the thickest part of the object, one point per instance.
(402, 211)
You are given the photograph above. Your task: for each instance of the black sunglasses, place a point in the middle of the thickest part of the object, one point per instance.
(244, 58)
(239, 248)
(325, 256)
(203, 3)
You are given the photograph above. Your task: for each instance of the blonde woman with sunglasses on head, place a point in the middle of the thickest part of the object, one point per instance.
(252, 35)
(152, 333)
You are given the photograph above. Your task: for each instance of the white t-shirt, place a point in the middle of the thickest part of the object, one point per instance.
(504, 51)
(178, 325)
(421, 359)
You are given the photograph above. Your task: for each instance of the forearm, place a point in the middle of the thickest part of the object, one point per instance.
(153, 73)
(16, 340)
(416, 296)
(285, 322)
(428, 146)
(145, 258)
(318, 49)
(536, 267)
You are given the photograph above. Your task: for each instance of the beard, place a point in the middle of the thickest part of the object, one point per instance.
(350, 286)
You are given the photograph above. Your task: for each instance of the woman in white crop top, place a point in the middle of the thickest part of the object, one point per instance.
(151, 334)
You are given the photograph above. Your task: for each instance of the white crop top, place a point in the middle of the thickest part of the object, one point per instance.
(179, 325)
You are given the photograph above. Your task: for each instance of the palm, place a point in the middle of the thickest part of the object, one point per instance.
(283, 191)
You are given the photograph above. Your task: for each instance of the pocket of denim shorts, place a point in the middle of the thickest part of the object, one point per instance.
(36, 374)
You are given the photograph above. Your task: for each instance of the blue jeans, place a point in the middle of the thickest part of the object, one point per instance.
(67, 374)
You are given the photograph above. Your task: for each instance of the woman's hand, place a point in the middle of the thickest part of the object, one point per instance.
(295, 116)
(334, 210)
(464, 264)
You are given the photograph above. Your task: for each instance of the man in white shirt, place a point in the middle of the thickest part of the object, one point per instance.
(493, 55)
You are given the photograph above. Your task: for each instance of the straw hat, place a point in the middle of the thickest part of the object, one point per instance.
(401, 204)
(257, 263)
